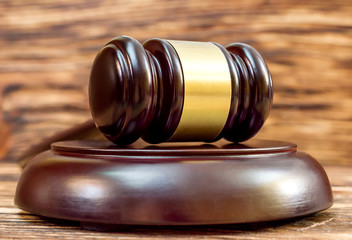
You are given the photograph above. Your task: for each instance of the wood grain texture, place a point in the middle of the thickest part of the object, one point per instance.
(334, 223)
(47, 48)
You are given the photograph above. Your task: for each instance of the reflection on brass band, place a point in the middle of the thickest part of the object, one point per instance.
(207, 91)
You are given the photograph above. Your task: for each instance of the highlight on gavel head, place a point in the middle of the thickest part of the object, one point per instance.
(167, 90)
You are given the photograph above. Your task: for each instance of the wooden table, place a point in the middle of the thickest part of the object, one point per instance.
(334, 223)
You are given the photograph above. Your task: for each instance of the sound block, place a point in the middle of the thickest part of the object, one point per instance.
(96, 182)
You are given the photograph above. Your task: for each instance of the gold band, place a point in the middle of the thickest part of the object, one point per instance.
(207, 91)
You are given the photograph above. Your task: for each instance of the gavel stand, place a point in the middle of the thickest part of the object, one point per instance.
(97, 183)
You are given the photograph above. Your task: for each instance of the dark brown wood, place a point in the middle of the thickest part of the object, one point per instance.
(123, 90)
(97, 182)
(256, 93)
(334, 223)
(170, 93)
(135, 92)
(128, 97)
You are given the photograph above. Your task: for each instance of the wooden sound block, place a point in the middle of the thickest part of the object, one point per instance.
(96, 182)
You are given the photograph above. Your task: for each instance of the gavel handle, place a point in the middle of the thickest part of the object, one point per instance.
(86, 130)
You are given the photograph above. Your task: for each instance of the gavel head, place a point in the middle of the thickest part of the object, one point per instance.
(166, 90)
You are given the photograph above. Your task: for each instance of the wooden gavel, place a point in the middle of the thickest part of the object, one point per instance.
(173, 91)
(167, 90)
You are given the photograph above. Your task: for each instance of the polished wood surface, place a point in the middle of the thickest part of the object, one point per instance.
(173, 184)
(48, 47)
(334, 223)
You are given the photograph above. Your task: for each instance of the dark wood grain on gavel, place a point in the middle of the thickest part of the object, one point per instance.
(139, 90)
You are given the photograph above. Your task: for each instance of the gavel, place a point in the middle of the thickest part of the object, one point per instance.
(171, 90)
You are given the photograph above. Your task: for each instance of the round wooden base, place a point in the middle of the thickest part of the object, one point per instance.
(173, 184)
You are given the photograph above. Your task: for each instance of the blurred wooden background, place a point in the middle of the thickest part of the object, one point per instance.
(47, 48)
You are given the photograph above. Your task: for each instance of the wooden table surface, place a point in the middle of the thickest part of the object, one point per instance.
(334, 223)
